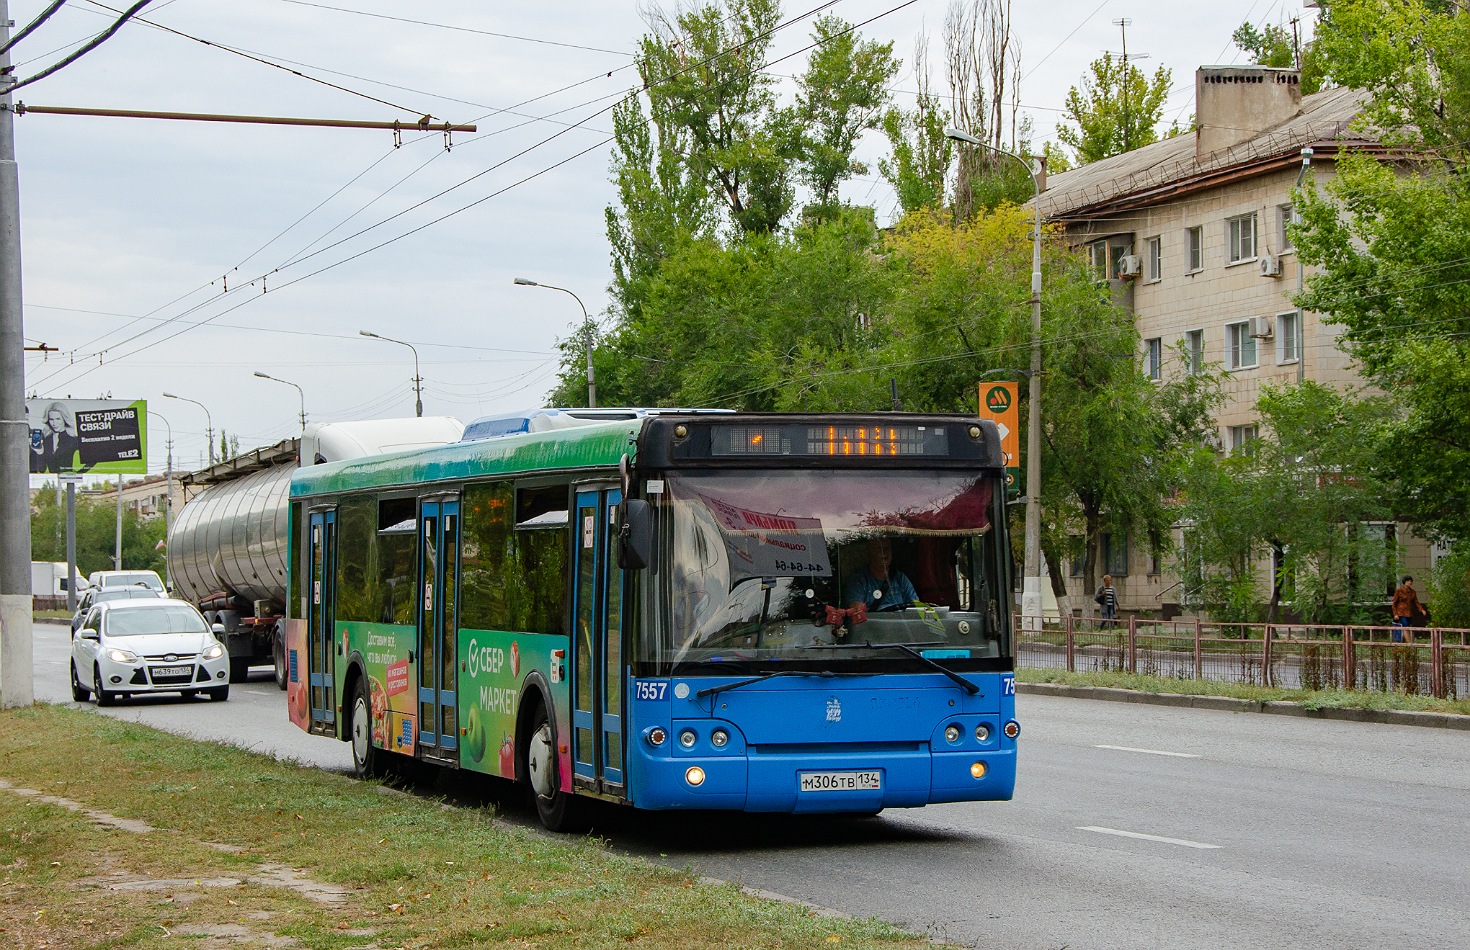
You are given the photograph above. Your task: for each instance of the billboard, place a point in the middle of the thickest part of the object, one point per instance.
(103, 436)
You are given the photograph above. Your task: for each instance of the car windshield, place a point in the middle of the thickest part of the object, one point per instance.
(827, 568)
(124, 593)
(146, 578)
(165, 618)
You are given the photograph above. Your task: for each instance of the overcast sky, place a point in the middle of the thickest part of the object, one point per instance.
(134, 229)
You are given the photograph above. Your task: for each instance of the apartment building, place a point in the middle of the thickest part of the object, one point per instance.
(1190, 233)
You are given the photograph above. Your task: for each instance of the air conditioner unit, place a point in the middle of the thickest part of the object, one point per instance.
(1261, 327)
(1270, 265)
(1130, 265)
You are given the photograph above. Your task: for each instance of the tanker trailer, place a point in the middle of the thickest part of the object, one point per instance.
(227, 546)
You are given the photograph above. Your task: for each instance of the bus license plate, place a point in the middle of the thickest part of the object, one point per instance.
(841, 781)
(172, 670)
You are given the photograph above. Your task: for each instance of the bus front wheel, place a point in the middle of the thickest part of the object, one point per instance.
(557, 810)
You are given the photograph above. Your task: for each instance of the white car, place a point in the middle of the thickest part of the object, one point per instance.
(126, 647)
(110, 579)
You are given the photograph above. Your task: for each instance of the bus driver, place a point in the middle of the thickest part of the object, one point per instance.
(880, 586)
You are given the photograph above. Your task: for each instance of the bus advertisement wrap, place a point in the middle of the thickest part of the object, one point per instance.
(100, 436)
(494, 667)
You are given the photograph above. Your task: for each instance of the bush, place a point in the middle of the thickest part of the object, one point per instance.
(1449, 590)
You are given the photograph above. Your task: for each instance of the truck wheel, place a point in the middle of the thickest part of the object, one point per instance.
(278, 654)
(239, 669)
(557, 810)
(368, 761)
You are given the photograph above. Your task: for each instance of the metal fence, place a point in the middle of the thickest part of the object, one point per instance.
(1431, 661)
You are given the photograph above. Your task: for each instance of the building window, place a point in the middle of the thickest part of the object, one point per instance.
(1153, 258)
(1288, 336)
(1242, 436)
(1097, 256)
(1078, 560)
(1240, 346)
(1240, 234)
(1285, 215)
(1194, 351)
(1372, 561)
(1115, 554)
(1196, 241)
(1153, 358)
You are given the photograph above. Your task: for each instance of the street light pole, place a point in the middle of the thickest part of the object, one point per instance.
(1031, 582)
(418, 381)
(208, 421)
(586, 335)
(168, 497)
(292, 385)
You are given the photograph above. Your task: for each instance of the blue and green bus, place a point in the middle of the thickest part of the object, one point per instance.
(758, 612)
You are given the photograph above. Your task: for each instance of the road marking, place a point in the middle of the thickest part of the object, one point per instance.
(1124, 748)
(1183, 843)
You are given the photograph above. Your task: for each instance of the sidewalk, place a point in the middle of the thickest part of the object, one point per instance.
(1391, 716)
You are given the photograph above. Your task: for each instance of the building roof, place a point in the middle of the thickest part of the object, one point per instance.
(1170, 167)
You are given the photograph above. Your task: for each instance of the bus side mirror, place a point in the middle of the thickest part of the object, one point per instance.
(635, 537)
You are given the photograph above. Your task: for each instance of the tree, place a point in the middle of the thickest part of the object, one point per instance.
(96, 535)
(1114, 111)
(1272, 45)
(1392, 250)
(921, 153)
(841, 94)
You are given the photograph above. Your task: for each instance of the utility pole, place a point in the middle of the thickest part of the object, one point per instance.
(17, 686)
(1123, 23)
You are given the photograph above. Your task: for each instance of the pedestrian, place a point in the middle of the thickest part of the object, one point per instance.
(1107, 601)
(1406, 610)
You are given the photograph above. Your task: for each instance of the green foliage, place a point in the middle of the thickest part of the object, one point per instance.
(1393, 250)
(1275, 46)
(1449, 590)
(921, 153)
(1114, 112)
(96, 535)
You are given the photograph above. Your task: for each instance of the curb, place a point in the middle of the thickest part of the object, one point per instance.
(1397, 717)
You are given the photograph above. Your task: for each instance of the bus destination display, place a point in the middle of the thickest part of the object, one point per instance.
(879, 439)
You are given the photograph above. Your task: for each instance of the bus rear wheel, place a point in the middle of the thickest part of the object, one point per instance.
(368, 761)
(557, 810)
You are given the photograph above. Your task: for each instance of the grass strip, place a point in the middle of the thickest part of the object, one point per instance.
(1311, 699)
(232, 829)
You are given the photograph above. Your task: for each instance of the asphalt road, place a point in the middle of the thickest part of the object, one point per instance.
(1133, 827)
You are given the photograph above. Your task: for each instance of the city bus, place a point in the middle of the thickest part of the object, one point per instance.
(753, 612)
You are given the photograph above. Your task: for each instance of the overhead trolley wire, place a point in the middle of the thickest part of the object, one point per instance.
(85, 48)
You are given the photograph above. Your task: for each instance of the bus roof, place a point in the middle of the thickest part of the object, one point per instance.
(596, 445)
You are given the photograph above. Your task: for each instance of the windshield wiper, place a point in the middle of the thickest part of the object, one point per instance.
(711, 690)
(908, 648)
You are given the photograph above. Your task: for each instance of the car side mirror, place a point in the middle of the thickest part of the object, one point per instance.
(635, 537)
(217, 628)
(89, 635)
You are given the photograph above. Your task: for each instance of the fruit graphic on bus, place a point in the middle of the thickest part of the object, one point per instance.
(378, 701)
(475, 734)
(507, 758)
(515, 658)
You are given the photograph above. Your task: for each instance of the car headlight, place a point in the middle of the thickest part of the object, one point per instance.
(121, 656)
(213, 651)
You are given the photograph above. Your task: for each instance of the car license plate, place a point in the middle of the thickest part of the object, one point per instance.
(172, 670)
(841, 781)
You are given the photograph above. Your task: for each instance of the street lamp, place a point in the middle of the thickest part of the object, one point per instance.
(208, 420)
(293, 386)
(168, 496)
(586, 335)
(418, 389)
(1031, 584)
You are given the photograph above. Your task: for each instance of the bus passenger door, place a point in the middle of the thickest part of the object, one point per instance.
(321, 655)
(438, 624)
(597, 720)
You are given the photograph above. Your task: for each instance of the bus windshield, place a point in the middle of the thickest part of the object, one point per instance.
(829, 569)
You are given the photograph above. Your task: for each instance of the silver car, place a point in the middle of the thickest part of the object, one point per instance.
(126, 647)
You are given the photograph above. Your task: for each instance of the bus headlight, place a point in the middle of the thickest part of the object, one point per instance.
(982, 733)
(951, 733)
(695, 776)
(977, 769)
(687, 738)
(656, 736)
(719, 738)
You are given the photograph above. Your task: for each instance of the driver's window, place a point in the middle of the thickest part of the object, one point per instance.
(93, 621)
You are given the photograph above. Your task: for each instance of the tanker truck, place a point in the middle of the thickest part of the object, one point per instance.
(227, 546)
